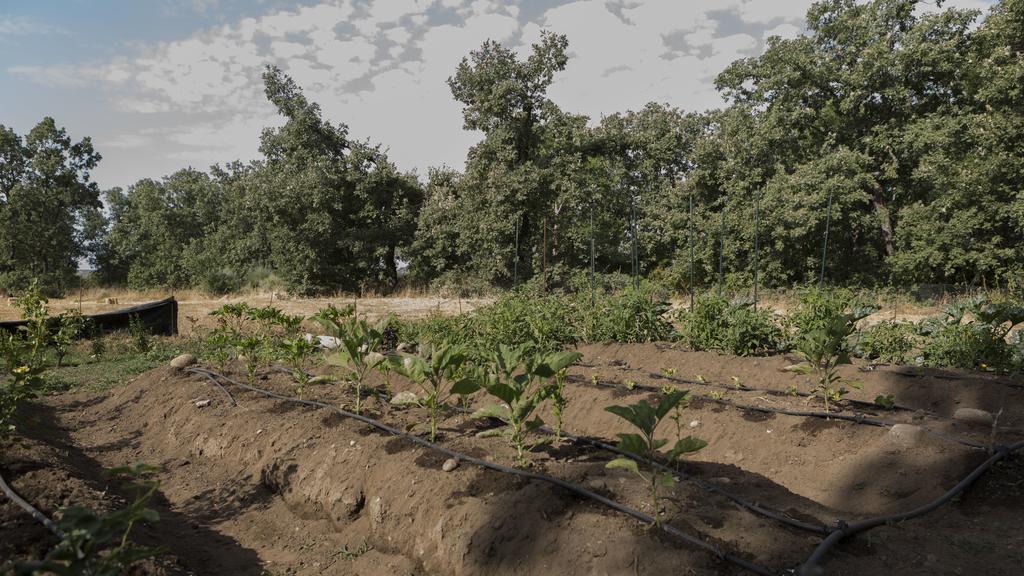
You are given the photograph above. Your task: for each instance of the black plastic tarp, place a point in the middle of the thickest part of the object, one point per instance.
(159, 317)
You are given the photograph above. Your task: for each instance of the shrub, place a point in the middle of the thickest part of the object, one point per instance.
(972, 334)
(888, 342)
(435, 366)
(818, 309)
(824, 349)
(715, 324)
(629, 316)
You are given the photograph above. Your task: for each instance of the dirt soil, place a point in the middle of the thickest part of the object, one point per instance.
(269, 487)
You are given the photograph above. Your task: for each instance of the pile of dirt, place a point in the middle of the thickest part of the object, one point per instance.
(272, 487)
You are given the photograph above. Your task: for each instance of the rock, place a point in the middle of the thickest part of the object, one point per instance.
(377, 511)
(973, 416)
(721, 480)
(695, 423)
(202, 403)
(404, 399)
(404, 347)
(183, 361)
(906, 434)
(450, 464)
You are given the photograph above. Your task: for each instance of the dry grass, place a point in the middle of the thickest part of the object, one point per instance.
(194, 306)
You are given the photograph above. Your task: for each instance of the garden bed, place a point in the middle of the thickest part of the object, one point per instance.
(269, 486)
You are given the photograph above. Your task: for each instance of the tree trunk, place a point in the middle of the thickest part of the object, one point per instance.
(885, 220)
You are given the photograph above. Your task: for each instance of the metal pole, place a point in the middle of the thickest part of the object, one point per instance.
(757, 241)
(824, 247)
(515, 258)
(592, 287)
(689, 237)
(721, 252)
(636, 258)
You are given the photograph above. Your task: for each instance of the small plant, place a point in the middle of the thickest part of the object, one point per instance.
(353, 553)
(631, 385)
(560, 362)
(97, 348)
(434, 370)
(668, 372)
(357, 352)
(296, 352)
(20, 382)
(290, 325)
(95, 544)
(250, 348)
(594, 379)
(70, 326)
(521, 379)
(736, 327)
(887, 401)
(232, 317)
(824, 349)
(140, 334)
(646, 448)
(36, 331)
(219, 347)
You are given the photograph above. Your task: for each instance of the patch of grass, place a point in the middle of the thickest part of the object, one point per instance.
(120, 362)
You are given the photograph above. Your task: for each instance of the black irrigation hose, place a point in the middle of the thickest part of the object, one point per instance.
(32, 510)
(579, 490)
(743, 503)
(856, 419)
(231, 398)
(775, 392)
(811, 566)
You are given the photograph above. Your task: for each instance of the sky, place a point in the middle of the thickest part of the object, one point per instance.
(161, 85)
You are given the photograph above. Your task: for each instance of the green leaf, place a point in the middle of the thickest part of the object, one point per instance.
(492, 411)
(664, 479)
(467, 385)
(624, 463)
(685, 446)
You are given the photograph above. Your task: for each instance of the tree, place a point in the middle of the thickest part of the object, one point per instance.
(44, 192)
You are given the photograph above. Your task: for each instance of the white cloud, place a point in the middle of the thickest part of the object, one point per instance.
(381, 67)
(21, 26)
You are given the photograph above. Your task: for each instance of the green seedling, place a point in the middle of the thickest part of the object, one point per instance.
(646, 448)
(668, 372)
(594, 379)
(631, 385)
(887, 401)
(21, 381)
(824, 349)
(357, 353)
(296, 352)
(434, 370)
(36, 331)
(736, 382)
(560, 362)
(70, 326)
(251, 348)
(522, 380)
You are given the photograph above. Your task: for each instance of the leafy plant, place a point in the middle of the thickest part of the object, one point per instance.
(251, 348)
(233, 317)
(888, 342)
(646, 448)
(357, 352)
(97, 544)
(296, 352)
(70, 326)
(140, 334)
(971, 334)
(886, 401)
(36, 331)
(21, 381)
(522, 379)
(716, 324)
(435, 367)
(824, 349)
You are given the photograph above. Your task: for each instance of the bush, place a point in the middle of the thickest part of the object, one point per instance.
(888, 342)
(819, 308)
(972, 334)
(715, 324)
(630, 316)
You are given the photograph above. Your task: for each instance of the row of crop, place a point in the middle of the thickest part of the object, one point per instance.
(975, 333)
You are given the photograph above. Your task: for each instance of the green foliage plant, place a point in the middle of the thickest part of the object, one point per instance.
(140, 334)
(296, 351)
(20, 379)
(972, 334)
(36, 331)
(357, 352)
(435, 370)
(887, 342)
(645, 447)
(823, 350)
(70, 327)
(716, 324)
(98, 544)
(521, 378)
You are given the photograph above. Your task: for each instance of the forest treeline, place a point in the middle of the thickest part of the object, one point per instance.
(903, 129)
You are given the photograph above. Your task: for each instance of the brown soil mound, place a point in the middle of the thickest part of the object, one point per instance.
(273, 487)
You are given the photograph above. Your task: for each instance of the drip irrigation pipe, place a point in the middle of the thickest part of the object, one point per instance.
(857, 418)
(216, 383)
(571, 487)
(843, 530)
(775, 392)
(32, 510)
(597, 443)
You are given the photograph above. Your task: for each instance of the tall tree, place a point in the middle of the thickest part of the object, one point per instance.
(45, 189)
